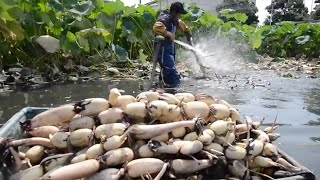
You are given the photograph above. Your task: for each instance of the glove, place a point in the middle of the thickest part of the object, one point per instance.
(184, 28)
(159, 29)
(170, 36)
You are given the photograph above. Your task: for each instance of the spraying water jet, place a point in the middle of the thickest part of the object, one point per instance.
(196, 53)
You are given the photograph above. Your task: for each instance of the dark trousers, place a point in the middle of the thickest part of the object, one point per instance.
(167, 63)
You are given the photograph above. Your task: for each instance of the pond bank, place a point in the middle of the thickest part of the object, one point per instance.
(23, 78)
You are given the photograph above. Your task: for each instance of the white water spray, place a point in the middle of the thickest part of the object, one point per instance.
(221, 54)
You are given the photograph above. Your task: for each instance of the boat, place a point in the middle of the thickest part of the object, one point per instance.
(12, 129)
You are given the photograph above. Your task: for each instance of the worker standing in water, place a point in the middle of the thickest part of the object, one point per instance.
(167, 24)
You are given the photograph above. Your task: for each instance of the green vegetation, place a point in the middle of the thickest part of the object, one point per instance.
(282, 40)
(88, 31)
(289, 40)
(92, 31)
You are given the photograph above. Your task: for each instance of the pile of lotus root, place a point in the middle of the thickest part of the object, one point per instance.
(155, 135)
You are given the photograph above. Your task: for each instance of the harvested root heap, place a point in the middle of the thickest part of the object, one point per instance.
(153, 136)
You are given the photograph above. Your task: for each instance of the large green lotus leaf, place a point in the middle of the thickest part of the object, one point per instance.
(241, 17)
(15, 12)
(302, 39)
(143, 9)
(264, 30)
(113, 7)
(288, 27)
(302, 29)
(82, 8)
(46, 19)
(9, 10)
(256, 41)
(148, 18)
(108, 22)
(83, 42)
(97, 37)
(195, 12)
(209, 19)
(58, 5)
(120, 52)
(81, 24)
(38, 17)
(69, 47)
(128, 26)
(128, 11)
(96, 42)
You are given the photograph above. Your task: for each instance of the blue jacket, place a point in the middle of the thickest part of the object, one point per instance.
(167, 56)
(168, 21)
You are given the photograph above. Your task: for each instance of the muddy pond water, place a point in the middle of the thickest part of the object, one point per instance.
(259, 94)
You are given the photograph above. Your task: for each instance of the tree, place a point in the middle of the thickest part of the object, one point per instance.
(240, 6)
(286, 10)
(315, 15)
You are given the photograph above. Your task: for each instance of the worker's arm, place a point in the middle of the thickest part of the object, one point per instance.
(184, 28)
(160, 29)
